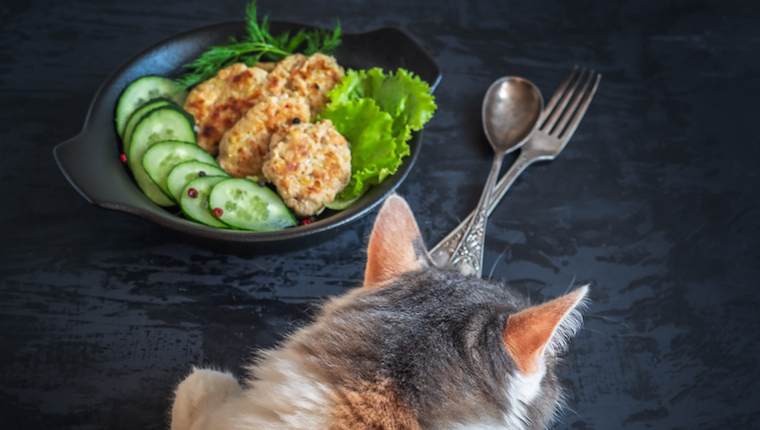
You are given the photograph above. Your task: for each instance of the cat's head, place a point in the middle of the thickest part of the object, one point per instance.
(449, 351)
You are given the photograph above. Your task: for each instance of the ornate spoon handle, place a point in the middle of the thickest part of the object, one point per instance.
(442, 253)
(468, 254)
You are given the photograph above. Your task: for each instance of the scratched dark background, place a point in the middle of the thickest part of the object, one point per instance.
(654, 202)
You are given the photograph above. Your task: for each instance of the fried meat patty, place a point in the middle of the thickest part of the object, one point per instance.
(311, 77)
(243, 147)
(218, 103)
(309, 164)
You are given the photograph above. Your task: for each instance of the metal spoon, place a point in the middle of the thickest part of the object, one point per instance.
(511, 109)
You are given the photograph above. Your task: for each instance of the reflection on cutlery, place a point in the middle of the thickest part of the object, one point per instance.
(557, 124)
(512, 107)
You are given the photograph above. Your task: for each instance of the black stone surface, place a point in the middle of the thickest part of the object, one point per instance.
(654, 202)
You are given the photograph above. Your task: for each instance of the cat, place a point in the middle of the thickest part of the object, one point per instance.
(414, 348)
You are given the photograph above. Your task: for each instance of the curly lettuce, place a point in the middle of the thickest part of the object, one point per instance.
(377, 113)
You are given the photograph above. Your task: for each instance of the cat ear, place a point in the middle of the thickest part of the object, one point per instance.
(544, 328)
(395, 245)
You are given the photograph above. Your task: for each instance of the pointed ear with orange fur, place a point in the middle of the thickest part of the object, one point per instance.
(395, 245)
(532, 332)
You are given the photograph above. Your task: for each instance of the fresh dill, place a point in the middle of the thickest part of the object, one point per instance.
(258, 45)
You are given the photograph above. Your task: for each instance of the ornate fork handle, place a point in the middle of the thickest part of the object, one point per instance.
(442, 253)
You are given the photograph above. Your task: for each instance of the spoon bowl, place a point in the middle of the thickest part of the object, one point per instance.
(511, 108)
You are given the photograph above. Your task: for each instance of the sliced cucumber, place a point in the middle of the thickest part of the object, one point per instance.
(156, 126)
(161, 158)
(197, 208)
(248, 206)
(137, 116)
(140, 92)
(185, 172)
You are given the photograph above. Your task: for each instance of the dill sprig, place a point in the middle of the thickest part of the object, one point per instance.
(258, 45)
(321, 40)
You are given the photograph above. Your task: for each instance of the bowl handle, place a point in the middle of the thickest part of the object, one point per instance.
(94, 169)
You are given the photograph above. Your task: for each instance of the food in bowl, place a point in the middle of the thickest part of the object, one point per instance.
(238, 102)
(309, 164)
(218, 103)
(245, 145)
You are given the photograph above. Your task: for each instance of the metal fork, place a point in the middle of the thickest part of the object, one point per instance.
(557, 124)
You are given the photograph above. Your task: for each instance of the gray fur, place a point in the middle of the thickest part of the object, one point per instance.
(437, 336)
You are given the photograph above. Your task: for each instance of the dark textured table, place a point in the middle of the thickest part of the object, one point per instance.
(654, 203)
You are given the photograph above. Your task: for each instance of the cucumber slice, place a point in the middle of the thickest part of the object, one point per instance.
(248, 206)
(196, 208)
(137, 116)
(185, 172)
(159, 125)
(161, 158)
(140, 92)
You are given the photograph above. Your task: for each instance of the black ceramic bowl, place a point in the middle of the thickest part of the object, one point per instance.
(90, 161)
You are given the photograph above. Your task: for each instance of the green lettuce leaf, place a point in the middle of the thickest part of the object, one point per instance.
(377, 113)
(375, 153)
(403, 95)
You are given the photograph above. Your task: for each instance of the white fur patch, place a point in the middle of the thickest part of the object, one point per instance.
(478, 427)
(283, 395)
(521, 391)
(202, 390)
(293, 398)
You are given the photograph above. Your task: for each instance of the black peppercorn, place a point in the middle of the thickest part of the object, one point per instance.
(296, 120)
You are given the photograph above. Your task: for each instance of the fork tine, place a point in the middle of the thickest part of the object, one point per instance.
(557, 94)
(581, 110)
(573, 105)
(549, 124)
